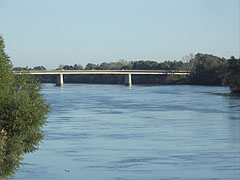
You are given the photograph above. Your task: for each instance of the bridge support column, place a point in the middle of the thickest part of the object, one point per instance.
(128, 80)
(60, 80)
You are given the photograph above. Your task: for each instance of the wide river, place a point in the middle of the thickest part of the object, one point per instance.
(113, 132)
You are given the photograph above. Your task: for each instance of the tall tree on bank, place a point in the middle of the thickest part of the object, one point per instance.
(207, 69)
(23, 112)
(231, 76)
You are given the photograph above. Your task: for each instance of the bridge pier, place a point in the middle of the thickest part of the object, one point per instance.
(60, 80)
(128, 80)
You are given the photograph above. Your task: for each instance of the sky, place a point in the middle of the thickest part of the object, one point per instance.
(54, 32)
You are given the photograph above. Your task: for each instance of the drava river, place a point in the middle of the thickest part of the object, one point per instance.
(113, 132)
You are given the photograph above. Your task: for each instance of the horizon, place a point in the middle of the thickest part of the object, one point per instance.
(50, 33)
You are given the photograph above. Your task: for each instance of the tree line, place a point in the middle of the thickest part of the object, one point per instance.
(206, 69)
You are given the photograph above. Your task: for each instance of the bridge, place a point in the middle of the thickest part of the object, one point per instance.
(128, 73)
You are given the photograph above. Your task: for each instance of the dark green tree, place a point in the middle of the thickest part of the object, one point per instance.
(78, 67)
(23, 112)
(91, 66)
(39, 68)
(231, 76)
(207, 69)
(20, 69)
(67, 67)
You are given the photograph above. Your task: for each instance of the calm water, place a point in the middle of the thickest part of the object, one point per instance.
(113, 132)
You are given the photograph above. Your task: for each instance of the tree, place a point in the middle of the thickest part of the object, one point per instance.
(207, 69)
(91, 66)
(20, 69)
(186, 59)
(78, 67)
(23, 112)
(39, 68)
(67, 67)
(231, 76)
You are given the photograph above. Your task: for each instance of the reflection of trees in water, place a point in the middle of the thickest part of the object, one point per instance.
(22, 114)
(234, 115)
(233, 118)
(232, 111)
(234, 104)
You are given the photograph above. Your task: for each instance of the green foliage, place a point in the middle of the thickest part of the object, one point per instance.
(23, 112)
(20, 69)
(78, 67)
(91, 66)
(39, 68)
(36, 68)
(138, 65)
(207, 69)
(232, 74)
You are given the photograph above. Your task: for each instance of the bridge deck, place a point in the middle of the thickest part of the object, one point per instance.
(119, 72)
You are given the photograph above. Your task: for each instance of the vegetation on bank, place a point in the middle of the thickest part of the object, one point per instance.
(23, 112)
(231, 76)
(205, 69)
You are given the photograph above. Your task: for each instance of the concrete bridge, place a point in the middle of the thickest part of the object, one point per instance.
(128, 73)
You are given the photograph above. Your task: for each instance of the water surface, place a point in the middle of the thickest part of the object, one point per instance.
(113, 132)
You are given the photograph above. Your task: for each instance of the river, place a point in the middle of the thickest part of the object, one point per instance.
(114, 132)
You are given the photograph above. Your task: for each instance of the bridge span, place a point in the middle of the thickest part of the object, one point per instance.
(128, 73)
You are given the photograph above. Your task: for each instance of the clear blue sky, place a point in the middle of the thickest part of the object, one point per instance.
(53, 32)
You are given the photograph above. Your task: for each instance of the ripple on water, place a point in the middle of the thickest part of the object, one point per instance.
(156, 132)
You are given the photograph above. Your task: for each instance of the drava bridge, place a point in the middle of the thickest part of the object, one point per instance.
(128, 73)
